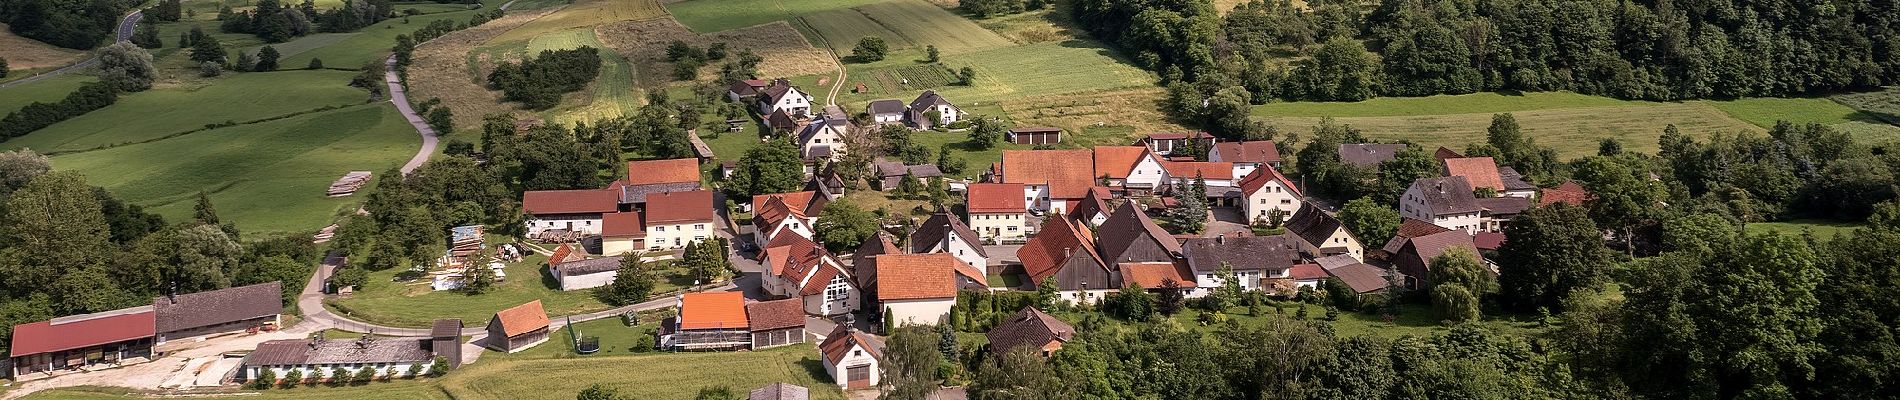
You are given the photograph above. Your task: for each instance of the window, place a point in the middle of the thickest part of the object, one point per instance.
(1286, 201)
(699, 227)
(660, 228)
(1012, 228)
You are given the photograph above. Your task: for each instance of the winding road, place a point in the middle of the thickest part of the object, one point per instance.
(401, 98)
(124, 33)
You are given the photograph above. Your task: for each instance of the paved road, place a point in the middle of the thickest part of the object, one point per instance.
(401, 98)
(124, 33)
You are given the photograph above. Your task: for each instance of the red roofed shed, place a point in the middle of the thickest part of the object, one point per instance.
(81, 340)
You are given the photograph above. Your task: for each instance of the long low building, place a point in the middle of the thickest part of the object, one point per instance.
(318, 359)
(81, 340)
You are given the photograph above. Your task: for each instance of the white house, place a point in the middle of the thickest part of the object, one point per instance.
(797, 267)
(781, 95)
(1445, 201)
(1050, 178)
(675, 219)
(1324, 234)
(783, 213)
(996, 210)
(928, 104)
(887, 111)
(945, 233)
(917, 289)
(319, 359)
(824, 139)
(1267, 190)
(1246, 156)
(1134, 168)
(852, 357)
(1256, 261)
(585, 274)
(567, 211)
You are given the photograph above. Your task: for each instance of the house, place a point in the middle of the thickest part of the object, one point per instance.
(1481, 172)
(1514, 183)
(586, 274)
(1132, 168)
(81, 341)
(1155, 276)
(1035, 135)
(743, 89)
(1368, 155)
(997, 211)
(1031, 329)
(221, 311)
(1498, 212)
(1568, 193)
(1307, 276)
(445, 339)
(797, 267)
(775, 323)
(622, 233)
(945, 233)
(1166, 143)
(1246, 156)
(863, 268)
(676, 219)
(918, 289)
(1363, 278)
(1265, 191)
(888, 111)
(851, 357)
(518, 328)
(1410, 228)
(1323, 234)
(647, 177)
(313, 359)
(1066, 252)
(930, 110)
(709, 321)
(774, 214)
(1050, 178)
(1414, 257)
(782, 390)
(783, 121)
(824, 139)
(1446, 201)
(1218, 176)
(1255, 260)
(567, 214)
(1094, 208)
(780, 95)
(1129, 235)
(891, 174)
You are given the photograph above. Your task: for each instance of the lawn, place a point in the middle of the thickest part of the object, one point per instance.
(718, 15)
(369, 44)
(384, 300)
(1004, 73)
(1413, 320)
(1822, 228)
(236, 98)
(1765, 112)
(584, 14)
(660, 376)
(23, 54)
(616, 339)
(50, 90)
(266, 177)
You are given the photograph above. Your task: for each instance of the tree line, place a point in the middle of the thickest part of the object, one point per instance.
(73, 24)
(538, 82)
(276, 22)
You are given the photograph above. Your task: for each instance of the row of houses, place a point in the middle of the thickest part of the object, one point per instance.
(170, 322)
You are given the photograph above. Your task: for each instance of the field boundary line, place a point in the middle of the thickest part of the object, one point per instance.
(208, 127)
(831, 98)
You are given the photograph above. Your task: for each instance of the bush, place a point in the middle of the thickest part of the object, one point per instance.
(291, 379)
(89, 97)
(263, 380)
(210, 69)
(870, 48)
(315, 63)
(539, 83)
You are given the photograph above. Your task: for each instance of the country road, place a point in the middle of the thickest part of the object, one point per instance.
(124, 33)
(401, 98)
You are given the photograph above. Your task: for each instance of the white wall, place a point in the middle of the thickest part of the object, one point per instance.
(315, 372)
(1010, 226)
(588, 224)
(586, 281)
(855, 357)
(1273, 195)
(838, 298)
(677, 235)
(919, 312)
(1147, 172)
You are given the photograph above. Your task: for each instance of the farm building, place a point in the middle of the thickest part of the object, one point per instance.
(1324, 234)
(237, 309)
(1050, 178)
(79, 341)
(945, 233)
(709, 321)
(1032, 329)
(1035, 135)
(930, 110)
(518, 328)
(776, 323)
(445, 339)
(891, 174)
(586, 274)
(780, 95)
(888, 111)
(1246, 156)
(743, 89)
(1166, 143)
(676, 219)
(311, 358)
(566, 215)
(781, 390)
(852, 357)
(1266, 190)
(622, 233)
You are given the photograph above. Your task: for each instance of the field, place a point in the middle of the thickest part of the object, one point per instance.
(386, 301)
(904, 24)
(446, 69)
(50, 90)
(369, 44)
(1882, 106)
(1822, 229)
(584, 14)
(266, 177)
(231, 98)
(24, 54)
(718, 15)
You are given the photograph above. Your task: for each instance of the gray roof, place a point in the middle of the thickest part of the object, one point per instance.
(1029, 327)
(309, 351)
(1313, 224)
(636, 194)
(1362, 277)
(1448, 195)
(1276, 252)
(939, 226)
(1505, 205)
(1513, 180)
(446, 327)
(1124, 226)
(886, 106)
(220, 306)
(780, 391)
(589, 266)
(1368, 154)
(929, 99)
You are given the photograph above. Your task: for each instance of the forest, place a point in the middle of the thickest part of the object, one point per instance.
(74, 24)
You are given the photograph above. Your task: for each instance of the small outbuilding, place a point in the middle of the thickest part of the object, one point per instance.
(1033, 135)
(776, 323)
(852, 357)
(1033, 329)
(518, 328)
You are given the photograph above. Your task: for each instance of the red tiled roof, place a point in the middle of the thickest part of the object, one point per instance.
(83, 331)
(916, 276)
(1068, 176)
(1258, 151)
(620, 224)
(1206, 169)
(996, 198)
(1488, 240)
(1301, 272)
(1059, 240)
(839, 342)
(1569, 193)
(695, 205)
(775, 314)
(522, 318)
(1482, 172)
(1117, 161)
(1412, 227)
(565, 253)
(1177, 135)
(583, 201)
(713, 310)
(678, 170)
(1259, 178)
(1153, 275)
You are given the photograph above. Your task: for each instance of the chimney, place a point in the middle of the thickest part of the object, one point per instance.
(1220, 239)
(1441, 186)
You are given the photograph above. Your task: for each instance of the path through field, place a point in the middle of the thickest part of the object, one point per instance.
(831, 98)
(124, 34)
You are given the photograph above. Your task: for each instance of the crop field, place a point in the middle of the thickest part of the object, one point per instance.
(370, 44)
(904, 24)
(1136, 108)
(1031, 27)
(50, 90)
(23, 53)
(1764, 112)
(718, 15)
(266, 177)
(786, 53)
(584, 14)
(610, 95)
(843, 28)
(915, 77)
(1043, 69)
(447, 68)
(232, 98)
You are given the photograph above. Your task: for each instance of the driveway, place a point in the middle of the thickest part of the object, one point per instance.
(1225, 220)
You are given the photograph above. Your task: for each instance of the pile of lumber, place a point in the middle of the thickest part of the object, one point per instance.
(465, 240)
(349, 183)
(325, 234)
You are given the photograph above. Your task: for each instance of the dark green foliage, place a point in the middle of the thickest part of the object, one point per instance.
(164, 11)
(986, 132)
(146, 35)
(1368, 219)
(909, 367)
(774, 167)
(539, 83)
(245, 62)
(843, 226)
(716, 393)
(1553, 252)
(442, 120)
(129, 68)
(90, 96)
(1131, 303)
(1341, 70)
(267, 59)
(1190, 213)
(3, 67)
(869, 49)
(206, 49)
(271, 21)
(263, 380)
(70, 24)
(632, 284)
(990, 8)
(315, 63)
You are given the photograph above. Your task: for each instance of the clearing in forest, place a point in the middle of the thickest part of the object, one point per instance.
(1572, 124)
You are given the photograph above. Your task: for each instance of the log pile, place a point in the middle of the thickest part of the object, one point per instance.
(348, 184)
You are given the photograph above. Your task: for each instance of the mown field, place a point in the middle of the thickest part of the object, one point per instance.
(1821, 228)
(371, 44)
(718, 15)
(49, 90)
(903, 24)
(584, 14)
(157, 113)
(266, 177)
(24, 54)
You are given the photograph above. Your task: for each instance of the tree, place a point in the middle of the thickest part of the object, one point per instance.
(3, 67)
(870, 49)
(986, 132)
(265, 378)
(930, 54)
(315, 63)
(1020, 374)
(442, 120)
(207, 49)
(1170, 300)
(633, 283)
(340, 376)
(364, 375)
(1457, 283)
(1190, 212)
(292, 378)
(477, 278)
(1228, 112)
(1047, 293)
(774, 167)
(210, 69)
(598, 392)
(245, 62)
(716, 393)
(439, 367)
(910, 364)
(966, 76)
(146, 35)
(415, 371)
(55, 225)
(843, 226)
(17, 167)
(1369, 220)
(1553, 252)
(1132, 303)
(267, 59)
(129, 68)
(1409, 164)
(948, 162)
(1341, 70)
(947, 341)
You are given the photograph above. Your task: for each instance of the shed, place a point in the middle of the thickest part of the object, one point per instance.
(518, 328)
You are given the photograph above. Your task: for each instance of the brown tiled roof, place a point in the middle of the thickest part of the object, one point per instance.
(79, 331)
(1444, 154)
(777, 89)
(713, 310)
(1488, 240)
(523, 318)
(187, 311)
(621, 224)
(1368, 154)
(1154, 275)
(1306, 272)
(996, 198)
(583, 201)
(1259, 178)
(776, 314)
(1258, 151)
(939, 226)
(1482, 172)
(916, 276)
(1448, 195)
(648, 172)
(839, 342)
(1060, 239)
(308, 352)
(780, 119)
(1067, 176)
(1029, 327)
(1313, 224)
(1096, 202)
(673, 207)
(1127, 225)
(780, 391)
(1253, 253)
(863, 266)
(768, 210)
(1569, 193)
(446, 327)
(1413, 227)
(1432, 245)
(1205, 169)
(1117, 161)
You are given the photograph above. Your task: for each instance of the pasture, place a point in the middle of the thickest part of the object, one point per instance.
(718, 15)
(49, 90)
(266, 177)
(449, 68)
(232, 98)
(1006, 73)
(25, 54)
(583, 14)
(1822, 229)
(367, 45)
(904, 24)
